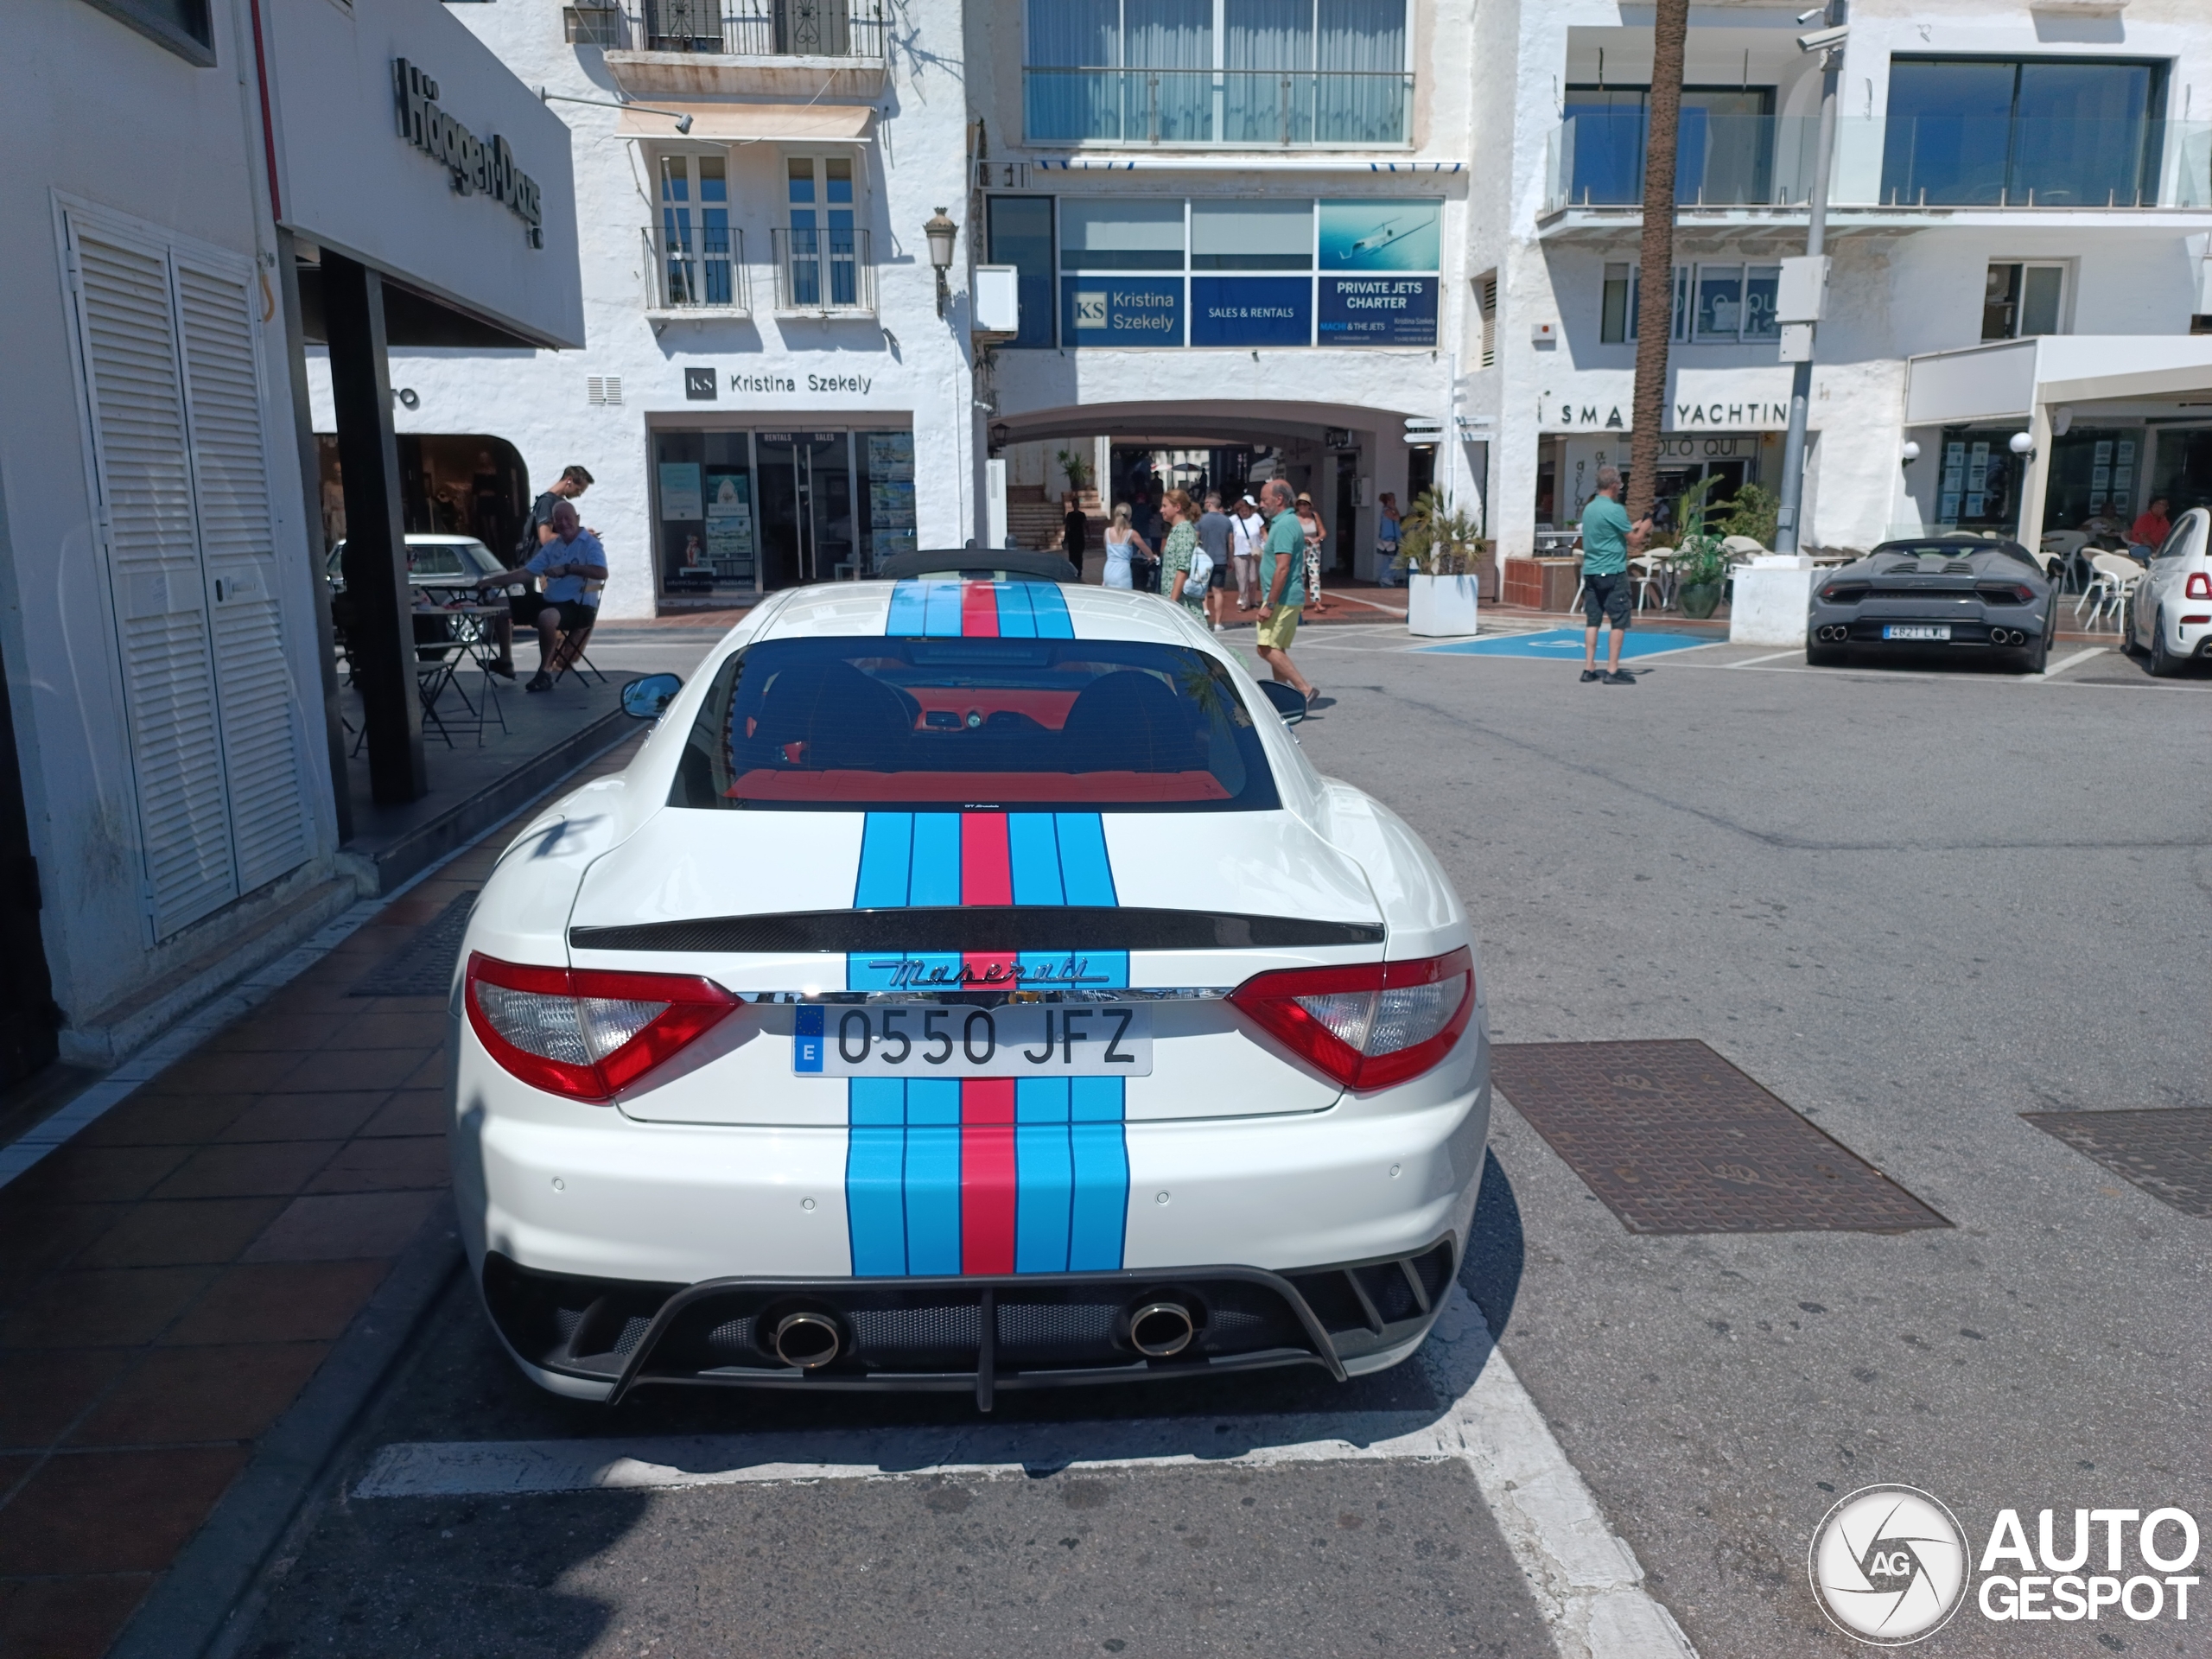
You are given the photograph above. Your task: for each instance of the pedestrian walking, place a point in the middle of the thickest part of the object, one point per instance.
(574, 565)
(1124, 550)
(1282, 586)
(1608, 538)
(1248, 529)
(1316, 533)
(1181, 581)
(1214, 537)
(1075, 531)
(1388, 538)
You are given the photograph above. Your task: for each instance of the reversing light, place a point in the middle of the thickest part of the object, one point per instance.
(1367, 1025)
(586, 1033)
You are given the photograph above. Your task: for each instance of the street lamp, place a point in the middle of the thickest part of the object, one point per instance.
(941, 234)
(1000, 433)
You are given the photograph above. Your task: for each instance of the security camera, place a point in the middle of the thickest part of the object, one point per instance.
(1804, 18)
(1824, 40)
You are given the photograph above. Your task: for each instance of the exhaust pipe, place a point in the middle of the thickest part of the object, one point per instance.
(806, 1342)
(1161, 1330)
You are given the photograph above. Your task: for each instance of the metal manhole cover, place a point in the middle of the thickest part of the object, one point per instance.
(1675, 1140)
(2166, 1153)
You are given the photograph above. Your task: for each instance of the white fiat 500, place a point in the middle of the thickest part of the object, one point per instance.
(969, 985)
(2169, 614)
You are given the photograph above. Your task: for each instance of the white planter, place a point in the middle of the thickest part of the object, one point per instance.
(1772, 595)
(1442, 606)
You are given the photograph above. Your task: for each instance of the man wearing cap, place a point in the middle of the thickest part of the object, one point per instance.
(1248, 529)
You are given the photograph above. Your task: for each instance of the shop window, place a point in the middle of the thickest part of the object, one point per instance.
(703, 487)
(824, 258)
(2020, 300)
(1020, 231)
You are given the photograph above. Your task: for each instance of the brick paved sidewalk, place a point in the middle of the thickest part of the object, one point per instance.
(171, 1279)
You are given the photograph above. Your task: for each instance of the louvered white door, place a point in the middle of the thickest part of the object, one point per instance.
(127, 337)
(257, 713)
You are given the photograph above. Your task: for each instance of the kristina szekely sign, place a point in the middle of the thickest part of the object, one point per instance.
(485, 167)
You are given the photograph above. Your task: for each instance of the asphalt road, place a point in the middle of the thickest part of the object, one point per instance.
(1914, 904)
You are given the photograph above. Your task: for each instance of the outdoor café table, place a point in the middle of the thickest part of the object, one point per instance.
(474, 629)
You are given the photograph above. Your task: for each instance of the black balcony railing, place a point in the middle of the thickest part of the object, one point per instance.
(753, 28)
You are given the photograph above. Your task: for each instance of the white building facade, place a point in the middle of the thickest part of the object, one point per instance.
(2002, 170)
(767, 393)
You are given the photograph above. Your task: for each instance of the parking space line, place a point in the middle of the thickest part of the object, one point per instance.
(1585, 1577)
(1771, 657)
(2052, 671)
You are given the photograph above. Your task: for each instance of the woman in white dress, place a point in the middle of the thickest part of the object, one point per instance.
(1124, 547)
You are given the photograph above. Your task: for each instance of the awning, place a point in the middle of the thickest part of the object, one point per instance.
(775, 124)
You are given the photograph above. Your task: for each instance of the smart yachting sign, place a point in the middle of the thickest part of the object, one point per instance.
(1890, 1566)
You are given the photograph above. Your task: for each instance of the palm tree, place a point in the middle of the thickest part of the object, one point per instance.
(1655, 312)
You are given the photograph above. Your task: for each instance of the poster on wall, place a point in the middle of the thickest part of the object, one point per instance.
(1118, 311)
(679, 490)
(1381, 235)
(889, 457)
(1378, 311)
(729, 524)
(1251, 311)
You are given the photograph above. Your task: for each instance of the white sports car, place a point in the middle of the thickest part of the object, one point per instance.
(969, 985)
(2169, 613)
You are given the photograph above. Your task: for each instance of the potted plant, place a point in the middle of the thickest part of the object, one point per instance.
(1700, 566)
(1438, 548)
(1076, 467)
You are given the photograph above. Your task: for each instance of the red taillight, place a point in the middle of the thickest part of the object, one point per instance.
(1371, 1024)
(585, 1033)
(2200, 585)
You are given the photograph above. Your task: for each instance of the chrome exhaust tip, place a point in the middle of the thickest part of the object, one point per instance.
(807, 1341)
(1161, 1330)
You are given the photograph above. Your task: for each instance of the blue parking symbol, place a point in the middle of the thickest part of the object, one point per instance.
(806, 1040)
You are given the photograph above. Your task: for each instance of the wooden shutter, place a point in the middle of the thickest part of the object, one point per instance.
(127, 339)
(257, 713)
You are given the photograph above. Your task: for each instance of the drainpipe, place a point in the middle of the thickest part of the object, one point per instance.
(1800, 377)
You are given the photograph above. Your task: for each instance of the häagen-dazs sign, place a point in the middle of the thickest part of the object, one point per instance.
(479, 166)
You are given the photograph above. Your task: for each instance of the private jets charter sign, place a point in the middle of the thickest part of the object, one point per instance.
(1891, 1565)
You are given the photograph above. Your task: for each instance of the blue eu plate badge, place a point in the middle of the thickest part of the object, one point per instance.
(806, 1039)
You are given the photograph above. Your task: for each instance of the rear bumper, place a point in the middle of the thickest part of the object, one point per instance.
(1840, 626)
(598, 1338)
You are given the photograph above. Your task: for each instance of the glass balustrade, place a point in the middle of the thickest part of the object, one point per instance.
(1207, 106)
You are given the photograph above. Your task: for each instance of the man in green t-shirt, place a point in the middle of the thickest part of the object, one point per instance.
(1608, 538)
(1282, 585)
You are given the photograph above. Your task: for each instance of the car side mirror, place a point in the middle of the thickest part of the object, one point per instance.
(1289, 700)
(648, 698)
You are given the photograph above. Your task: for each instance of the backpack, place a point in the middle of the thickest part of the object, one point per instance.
(1201, 571)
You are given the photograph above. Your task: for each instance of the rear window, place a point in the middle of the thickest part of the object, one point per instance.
(853, 723)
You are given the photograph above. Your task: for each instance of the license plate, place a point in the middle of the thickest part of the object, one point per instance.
(933, 1039)
(1917, 630)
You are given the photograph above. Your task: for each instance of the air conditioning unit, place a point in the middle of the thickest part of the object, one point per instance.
(995, 294)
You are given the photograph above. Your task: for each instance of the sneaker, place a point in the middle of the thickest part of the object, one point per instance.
(1590, 674)
(1217, 628)
(1620, 676)
(539, 682)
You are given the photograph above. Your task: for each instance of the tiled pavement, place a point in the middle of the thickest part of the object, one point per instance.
(171, 1279)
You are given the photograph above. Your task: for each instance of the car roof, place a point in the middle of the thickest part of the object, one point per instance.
(1005, 564)
(863, 608)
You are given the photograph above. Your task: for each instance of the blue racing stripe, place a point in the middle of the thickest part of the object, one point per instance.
(1016, 620)
(875, 1158)
(1098, 1212)
(909, 604)
(1051, 610)
(1034, 850)
(887, 852)
(1085, 876)
(934, 878)
(943, 622)
(932, 1175)
(1044, 1175)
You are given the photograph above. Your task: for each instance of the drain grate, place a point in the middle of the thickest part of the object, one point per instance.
(424, 966)
(2168, 1153)
(1675, 1140)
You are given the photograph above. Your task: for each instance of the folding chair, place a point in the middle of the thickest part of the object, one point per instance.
(569, 653)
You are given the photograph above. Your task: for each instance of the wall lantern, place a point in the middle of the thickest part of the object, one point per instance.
(942, 233)
(1000, 433)
(1910, 452)
(2021, 445)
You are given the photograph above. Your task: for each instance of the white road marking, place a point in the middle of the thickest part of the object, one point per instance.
(2051, 671)
(1586, 1579)
(1771, 657)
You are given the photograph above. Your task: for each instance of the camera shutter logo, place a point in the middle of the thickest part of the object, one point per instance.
(1888, 1565)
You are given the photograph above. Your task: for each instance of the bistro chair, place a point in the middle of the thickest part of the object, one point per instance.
(2112, 582)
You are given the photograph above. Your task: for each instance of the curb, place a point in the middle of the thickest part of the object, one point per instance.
(196, 1599)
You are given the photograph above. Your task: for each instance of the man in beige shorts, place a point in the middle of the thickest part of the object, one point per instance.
(1282, 585)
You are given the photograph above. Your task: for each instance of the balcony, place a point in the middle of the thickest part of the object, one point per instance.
(696, 273)
(824, 273)
(1229, 109)
(1887, 171)
(807, 48)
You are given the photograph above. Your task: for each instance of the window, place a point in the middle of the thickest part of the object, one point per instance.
(1244, 72)
(1032, 723)
(825, 263)
(1684, 275)
(1251, 236)
(1124, 233)
(183, 26)
(1724, 152)
(1486, 310)
(1020, 229)
(1614, 323)
(1713, 304)
(2049, 132)
(2019, 301)
(695, 244)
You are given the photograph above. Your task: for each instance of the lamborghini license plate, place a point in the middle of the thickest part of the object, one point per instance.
(1938, 630)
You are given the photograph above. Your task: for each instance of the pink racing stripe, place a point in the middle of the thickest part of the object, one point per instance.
(979, 611)
(986, 865)
(988, 1181)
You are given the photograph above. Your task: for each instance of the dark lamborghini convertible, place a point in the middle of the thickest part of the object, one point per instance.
(1936, 595)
